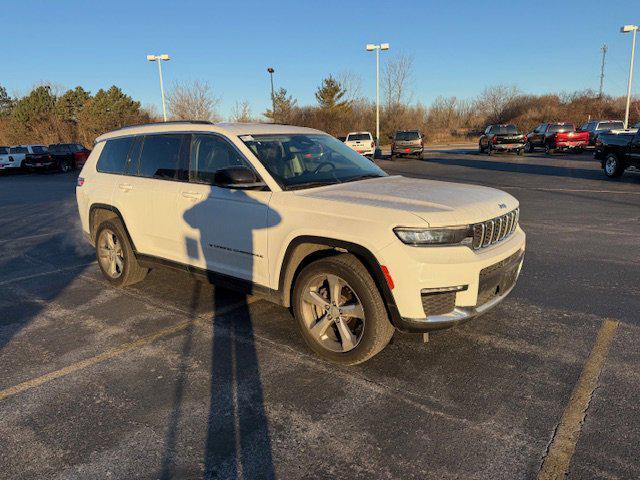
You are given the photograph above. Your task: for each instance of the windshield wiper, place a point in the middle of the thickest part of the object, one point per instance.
(299, 186)
(362, 177)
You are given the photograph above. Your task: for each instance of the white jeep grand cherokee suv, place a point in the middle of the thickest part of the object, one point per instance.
(296, 215)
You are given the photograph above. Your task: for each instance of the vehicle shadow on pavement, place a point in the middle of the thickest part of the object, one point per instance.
(237, 441)
(535, 169)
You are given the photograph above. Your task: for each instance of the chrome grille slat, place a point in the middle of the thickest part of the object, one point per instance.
(495, 230)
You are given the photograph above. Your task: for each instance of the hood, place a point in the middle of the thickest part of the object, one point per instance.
(437, 203)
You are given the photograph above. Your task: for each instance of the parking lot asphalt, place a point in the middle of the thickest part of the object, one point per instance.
(173, 378)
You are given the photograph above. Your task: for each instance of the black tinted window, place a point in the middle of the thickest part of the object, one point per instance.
(114, 155)
(38, 149)
(610, 126)
(4, 150)
(504, 129)
(561, 127)
(209, 154)
(18, 150)
(406, 136)
(161, 157)
(358, 136)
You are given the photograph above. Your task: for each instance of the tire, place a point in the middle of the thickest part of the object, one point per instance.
(519, 152)
(480, 148)
(489, 150)
(127, 271)
(578, 150)
(548, 150)
(65, 166)
(528, 147)
(369, 333)
(612, 166)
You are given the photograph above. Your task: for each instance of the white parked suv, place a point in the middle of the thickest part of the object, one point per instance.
(296, 215)
(361, 142)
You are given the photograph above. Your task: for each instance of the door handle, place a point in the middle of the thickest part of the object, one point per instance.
(192, 195)
(125, 187)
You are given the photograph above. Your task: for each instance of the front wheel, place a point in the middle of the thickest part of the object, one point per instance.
(65, 166)
(548, 150)
(528, 147)
(339, 310)
(519, 152)
(613, 168)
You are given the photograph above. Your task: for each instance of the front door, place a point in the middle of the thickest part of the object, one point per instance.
(224, 230)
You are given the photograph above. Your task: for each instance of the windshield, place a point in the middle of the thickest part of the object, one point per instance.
(561, 127)
(610, 125)
(504, 129)
(358, 136)
(309, 160)
(406, 136)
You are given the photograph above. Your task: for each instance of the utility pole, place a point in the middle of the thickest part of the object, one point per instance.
(604, 54)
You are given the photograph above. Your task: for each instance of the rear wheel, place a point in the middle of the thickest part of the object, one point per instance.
(115, 255)
(489, 150)
(528, 147)
(548, 150)
(613, 168)
(65, 166)
(519, 151)
(339, 310)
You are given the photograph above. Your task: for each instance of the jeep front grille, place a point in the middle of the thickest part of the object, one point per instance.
(495, 230)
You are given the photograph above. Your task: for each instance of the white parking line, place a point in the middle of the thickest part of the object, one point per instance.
(42, 274)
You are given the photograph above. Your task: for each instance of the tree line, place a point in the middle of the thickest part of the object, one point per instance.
(49, 115)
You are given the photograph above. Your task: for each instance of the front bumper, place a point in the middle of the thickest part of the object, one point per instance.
(416, 270)
(570, 145)
(506, 277)
(406, 150)
(39, 165)
(508, 146)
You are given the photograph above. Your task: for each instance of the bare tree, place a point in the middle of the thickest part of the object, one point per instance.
(193, 101)
(242, 112)
(352, 84)
(397, 79)
(493, 101)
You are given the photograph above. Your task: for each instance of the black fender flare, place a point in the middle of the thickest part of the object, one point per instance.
(364, 255)
(111, 208)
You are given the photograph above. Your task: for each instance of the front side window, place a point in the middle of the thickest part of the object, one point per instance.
(307, 160)
(209, 154)
(114, 155)
(163, 156)
(610, 126)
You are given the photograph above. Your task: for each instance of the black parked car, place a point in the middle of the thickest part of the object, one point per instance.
(618, 151)
(503, 138)
(62, 157)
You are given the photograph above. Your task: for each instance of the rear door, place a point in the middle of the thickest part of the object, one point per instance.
(634, 150)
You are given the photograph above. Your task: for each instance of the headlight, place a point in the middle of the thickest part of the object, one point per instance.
(435, 236)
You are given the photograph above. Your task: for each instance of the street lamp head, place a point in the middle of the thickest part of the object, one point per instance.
(371, 46)
(151, 58)
(384, 46)
(270, 70)
(628, 28)
(165, 57)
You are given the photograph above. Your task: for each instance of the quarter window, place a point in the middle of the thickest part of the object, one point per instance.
(162, 157)
(210, 154)
(114, 155)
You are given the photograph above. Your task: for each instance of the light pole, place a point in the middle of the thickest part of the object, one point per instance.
(160, 59)
(627, 29)
(377, 48)
(273, 98)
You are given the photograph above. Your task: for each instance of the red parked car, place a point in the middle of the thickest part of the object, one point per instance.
(556, 136)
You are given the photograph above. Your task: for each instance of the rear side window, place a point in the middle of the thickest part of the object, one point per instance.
(114, 155)
(163, 157)
(4, 150)
(18, 150)
(610, 126)
(209, 154)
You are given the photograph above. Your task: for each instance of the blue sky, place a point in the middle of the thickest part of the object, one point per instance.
(458, 47)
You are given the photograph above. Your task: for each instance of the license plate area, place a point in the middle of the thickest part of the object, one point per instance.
(497, 279)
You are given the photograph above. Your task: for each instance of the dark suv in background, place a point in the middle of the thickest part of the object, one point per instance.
(407, 142)
(596, 127)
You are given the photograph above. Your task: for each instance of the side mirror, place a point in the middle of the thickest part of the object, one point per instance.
(237, 177)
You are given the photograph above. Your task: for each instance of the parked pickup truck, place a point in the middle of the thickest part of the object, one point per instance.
(618, 151)
(504, 138)
(17, 154)
(361, 142)
(598, 127)
(556, 136)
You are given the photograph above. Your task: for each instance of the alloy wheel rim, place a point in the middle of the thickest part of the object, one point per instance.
(610, 165)
(332, 313)
(110, 254)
